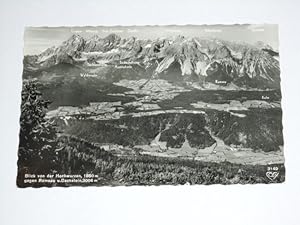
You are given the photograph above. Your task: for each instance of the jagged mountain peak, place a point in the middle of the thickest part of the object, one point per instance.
(74, 43)
(94, 37)
(190, 55)
(75, 36)
(112, 36)
(262, 45)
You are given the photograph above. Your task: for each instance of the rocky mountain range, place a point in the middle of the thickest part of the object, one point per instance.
(192, 59)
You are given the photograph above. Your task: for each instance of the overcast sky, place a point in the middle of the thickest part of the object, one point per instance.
(37, 39)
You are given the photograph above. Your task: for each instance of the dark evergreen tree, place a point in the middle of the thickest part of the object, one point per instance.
(37, 134)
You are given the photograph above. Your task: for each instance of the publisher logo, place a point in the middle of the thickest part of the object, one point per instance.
(272, 173)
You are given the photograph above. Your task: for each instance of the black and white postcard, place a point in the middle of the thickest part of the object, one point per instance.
(151, 105)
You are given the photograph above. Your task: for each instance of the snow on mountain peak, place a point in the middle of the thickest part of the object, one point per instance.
(191, 55)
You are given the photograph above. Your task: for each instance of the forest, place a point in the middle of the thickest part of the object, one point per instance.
(44, 149)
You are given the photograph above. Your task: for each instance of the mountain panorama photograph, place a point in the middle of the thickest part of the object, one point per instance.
(150, 105)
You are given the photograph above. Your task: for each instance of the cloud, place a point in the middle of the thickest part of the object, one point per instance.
(173, 30)
(91, 31)
(213, 30)
(76, 31)
(256, 28)
(132, 30)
